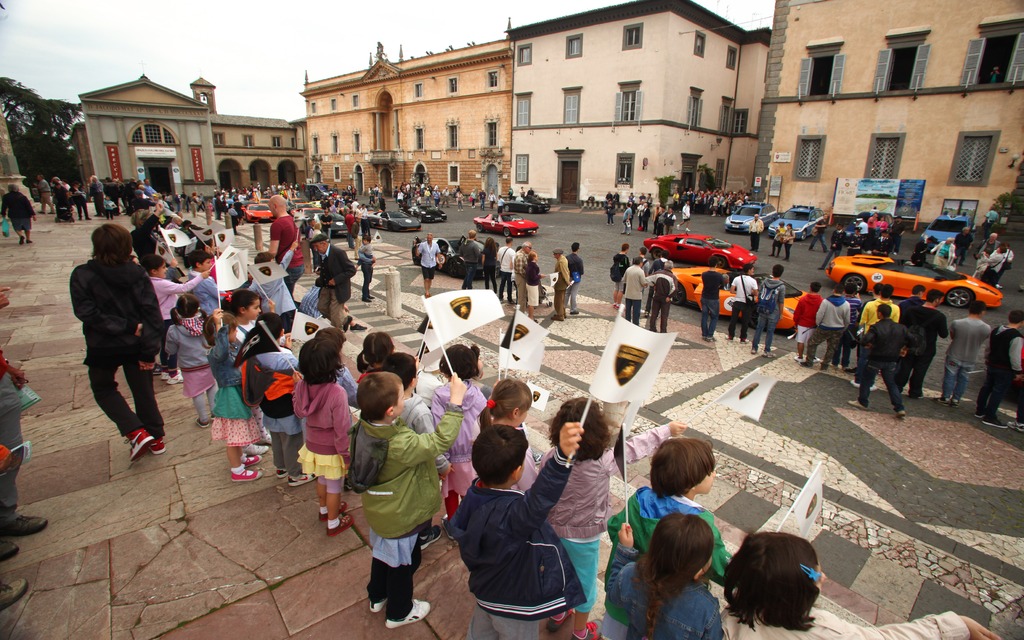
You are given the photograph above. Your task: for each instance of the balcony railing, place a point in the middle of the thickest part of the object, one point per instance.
(385, 157)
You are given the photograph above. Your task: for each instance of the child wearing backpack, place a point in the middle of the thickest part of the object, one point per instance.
(403, 497)
(322, 402)
(771, 296)
(186, 341)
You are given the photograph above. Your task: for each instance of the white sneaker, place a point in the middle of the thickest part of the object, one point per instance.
(177, 379)
(165, 376)
(799, 358)
(255, 450)
(420, 609)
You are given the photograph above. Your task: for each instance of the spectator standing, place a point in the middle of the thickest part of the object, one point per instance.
(744, 296)
(755, 229)
(1003, 366)
(427, 252)
(887, 341)
(506, 258)
(713, 283)
(620, 262)
(16, 206)
(561, 284)
(471, 252)
(522, 258)
(575, 276)
(804, 317)
(366, 261)
(968, 336)
(283, 234)
(634, 282)
(914, 364)
(532, 284)
(771, 297)
(663, 285)
(45, 195)
(490, 264)
(832, 319)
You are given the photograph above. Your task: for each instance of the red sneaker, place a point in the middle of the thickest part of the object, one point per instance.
(246, 476)
(157, 447)
(139, 441)
(251, 460)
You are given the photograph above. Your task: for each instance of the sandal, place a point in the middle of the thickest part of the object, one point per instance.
(344, 523)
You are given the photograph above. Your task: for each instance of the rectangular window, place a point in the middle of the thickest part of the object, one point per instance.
(998, 57)
(334, 143)
(574, 46)
(720, 173)
(355, 101)
(901, 68)
(275, 141)
(973, 158)
(822, 75)
(218, 138)
(293, 142)
(725, 117)
(453, 174)
(453, 85)
(523, 111)
(694, 110)
(312, 107)
(491, 131)
(334, 104)
(337, 173)
(632, 36)
(316, 146)
(453, 136)
(492, 79)
(522, 168)
(419, 138)
(247, 141)
(525, 55)
(624, 169)
(730, 58)
(628, 105)
(572, 108)
(810, 150)
(739, 121)
(884, 156)
(356, 143)
(699, 41)
(417, 90)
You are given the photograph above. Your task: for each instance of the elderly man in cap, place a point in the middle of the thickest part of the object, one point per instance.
(519, 267)
(561, 284)
(335, 282)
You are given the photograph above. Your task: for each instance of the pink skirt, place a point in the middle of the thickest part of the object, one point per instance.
(235, 432)
(459, 480)
(197, 382)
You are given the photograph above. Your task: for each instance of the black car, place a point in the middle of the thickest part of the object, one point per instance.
(392, 221)
(529, 204)
(448, 260)
(428, 214)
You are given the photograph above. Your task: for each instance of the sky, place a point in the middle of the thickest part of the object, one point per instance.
(256, 52)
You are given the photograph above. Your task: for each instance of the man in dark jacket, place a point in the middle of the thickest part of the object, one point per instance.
(914, 365)
(16, 206)
(335, 282)
(1002, 367)
(961, 242)
(888, 342)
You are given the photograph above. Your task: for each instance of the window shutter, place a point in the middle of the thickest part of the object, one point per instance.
(882, 70)
(805, 78)
(837, 74)
(618, 107)
(639, 106)
(1015, 71)
(700, 108)
(920, 65)
(972, 62)
(689, 111)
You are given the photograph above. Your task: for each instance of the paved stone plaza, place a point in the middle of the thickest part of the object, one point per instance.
(921, 516)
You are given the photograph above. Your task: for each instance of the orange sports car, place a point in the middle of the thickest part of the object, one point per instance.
(255, 212)
(865, 271)
(691, 286)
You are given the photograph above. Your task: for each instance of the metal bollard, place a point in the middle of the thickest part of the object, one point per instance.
(393, 292)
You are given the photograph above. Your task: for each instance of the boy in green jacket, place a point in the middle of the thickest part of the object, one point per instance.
(406, 496)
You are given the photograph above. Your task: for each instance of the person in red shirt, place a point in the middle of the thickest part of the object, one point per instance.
(282, 234)
(804, 317)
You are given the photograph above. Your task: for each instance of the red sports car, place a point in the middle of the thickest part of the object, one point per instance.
(508, 224)
(693, 248)
(257, 213)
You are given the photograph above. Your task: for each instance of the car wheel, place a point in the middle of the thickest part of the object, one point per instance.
(457, 267)
(479, 228)
(857, 280)
(507, 232)
(532, 210)
(679, 295)
(717, 262)
(959, 297)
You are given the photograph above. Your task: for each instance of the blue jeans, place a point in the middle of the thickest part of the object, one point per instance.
(954, 381)
(506, 281)
(708, 317)
(467, 282)
(574, 290)
(997, 382)
(367, 270)
(888, 371)
(765, 324)
(897, 242)
(632, 310)
(294, 273)
(862, 362)
(846, 344)
(816, 240)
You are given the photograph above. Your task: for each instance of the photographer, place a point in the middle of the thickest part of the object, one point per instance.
(334, 277)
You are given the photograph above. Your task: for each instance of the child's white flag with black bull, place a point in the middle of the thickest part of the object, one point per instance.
(807, 506)
(164, 252)
(540, 397)
(224, 238)
(630, 363)
(530, 361)
(267, 272)
(749, 395)
(430, 351)
(175, 238)
(231, 270)
(305, 327)
(523, 336)
(455, 313)
(209, 231)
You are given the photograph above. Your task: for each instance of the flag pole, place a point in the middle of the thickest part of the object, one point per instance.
(583, 418)
(625, 463)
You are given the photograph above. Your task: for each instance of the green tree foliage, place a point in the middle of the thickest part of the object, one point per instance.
(40, 131)
(664, 188)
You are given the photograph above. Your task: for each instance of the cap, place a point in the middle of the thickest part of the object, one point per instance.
(320, 237)
(558, 252)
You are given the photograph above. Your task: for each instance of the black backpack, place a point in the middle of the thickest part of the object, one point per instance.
(368, 455)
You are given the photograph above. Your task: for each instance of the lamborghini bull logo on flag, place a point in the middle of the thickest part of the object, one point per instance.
(628, 361)
(520, 333)
(311, 328)
(267, 271)
(462, 306)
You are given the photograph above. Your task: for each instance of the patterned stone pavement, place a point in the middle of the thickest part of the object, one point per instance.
(920, 516)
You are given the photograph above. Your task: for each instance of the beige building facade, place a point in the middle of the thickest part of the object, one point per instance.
(611, 99)
(894, 91)
(442, 119)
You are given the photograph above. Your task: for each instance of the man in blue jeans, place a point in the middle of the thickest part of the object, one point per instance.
(714, 281)
(472, 253)
(635, 281)
(967, 337)
(888, 341)
(1003, 365)
(771, 296)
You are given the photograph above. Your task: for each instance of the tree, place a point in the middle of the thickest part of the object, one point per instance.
(40, 130)
(705, 177)
(664, 188)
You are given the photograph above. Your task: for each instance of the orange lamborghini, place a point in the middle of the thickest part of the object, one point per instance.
(865, 271)
(690, 288)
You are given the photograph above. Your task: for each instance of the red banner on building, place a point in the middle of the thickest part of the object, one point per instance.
(197, 163)
(114, 158)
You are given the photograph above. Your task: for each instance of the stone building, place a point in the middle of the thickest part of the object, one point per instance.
(894, 93)
(144, 130)
(611, 99)
(442, 119)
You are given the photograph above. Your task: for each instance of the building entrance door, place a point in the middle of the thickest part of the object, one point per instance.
(359, 180)
(160, 178)
(569, 182)
(492, 179)
(385, 180)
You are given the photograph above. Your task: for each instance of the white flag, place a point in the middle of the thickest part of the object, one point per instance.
(749, 395)
(208, 233)
(529, 362)
(540, 396)
(807, 506)
(631, 362)
(630, 417)
(376, 237)
(523, 336)
(175, 238)
(267, 272)
(455, 313)
(224, 238)
(164, 252)
(231, 270)
(553, 277)
(305, 327)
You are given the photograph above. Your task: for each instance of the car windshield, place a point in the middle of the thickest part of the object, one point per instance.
(931, 271)
(947, 226)
(791, 291)
(796, 215)
(718, 244)
(510, 217)
(747, 212)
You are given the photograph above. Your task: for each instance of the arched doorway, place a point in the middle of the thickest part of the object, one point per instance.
(259, 172)
(359, 179)
(385, 180)
(317, 175)
(382, 122)
(229, 173)
(419, 175)
(492, 179)
(286, 172)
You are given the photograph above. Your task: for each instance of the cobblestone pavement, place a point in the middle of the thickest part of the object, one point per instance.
(920, 516)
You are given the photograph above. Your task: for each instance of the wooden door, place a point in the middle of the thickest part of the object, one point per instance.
(570, 182)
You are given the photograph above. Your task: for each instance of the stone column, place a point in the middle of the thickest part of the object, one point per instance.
(377, 133)
(9, 173)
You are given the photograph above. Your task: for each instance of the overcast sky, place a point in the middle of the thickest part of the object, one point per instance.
(255, 51)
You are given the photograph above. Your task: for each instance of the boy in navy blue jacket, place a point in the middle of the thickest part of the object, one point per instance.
(518, 569)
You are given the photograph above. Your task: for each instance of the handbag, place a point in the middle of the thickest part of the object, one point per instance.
(5, 228)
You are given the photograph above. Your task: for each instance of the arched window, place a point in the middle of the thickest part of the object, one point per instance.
(152, 134)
